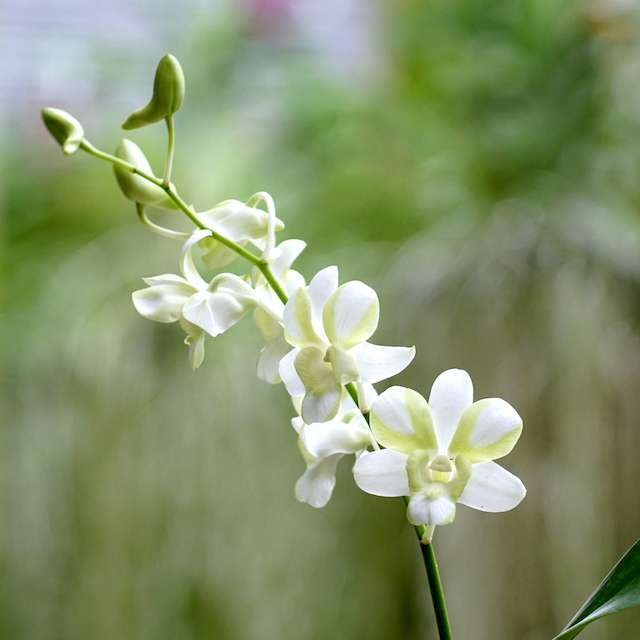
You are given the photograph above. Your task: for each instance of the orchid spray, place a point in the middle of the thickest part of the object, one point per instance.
(433, 453)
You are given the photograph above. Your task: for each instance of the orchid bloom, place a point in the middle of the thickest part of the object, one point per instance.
(328, 327)
(199, 306)
(442, 452)
(268, 315)
(238, 222)
(323, 445)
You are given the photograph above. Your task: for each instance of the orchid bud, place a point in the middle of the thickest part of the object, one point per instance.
(136, 187)
(67, 131)
(168, 94)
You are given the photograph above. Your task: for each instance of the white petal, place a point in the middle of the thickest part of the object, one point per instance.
(196, 351)
(289, 375)
(451, 394)
(162, 302)
(322, 285)
(189, 270)
(328, 438)
(213, 312)
(316, 484)
(321, 405)
(431, 511)
(351, 314)
(376, 362)
(237, 221)
(285, 255)
(400, 419)
(366, 396)
(269, 360)
(382, 473)
(492, 488)
(487, 430)
(300, 327)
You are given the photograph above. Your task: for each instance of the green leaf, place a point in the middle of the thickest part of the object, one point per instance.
(620, 590)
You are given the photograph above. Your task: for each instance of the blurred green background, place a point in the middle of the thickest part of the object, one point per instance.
(476, 161)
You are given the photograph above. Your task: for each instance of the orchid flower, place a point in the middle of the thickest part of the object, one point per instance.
(238, 222)
(328, 327)
(268, 315)
(323, 445)
(442, 452)
(199, 306)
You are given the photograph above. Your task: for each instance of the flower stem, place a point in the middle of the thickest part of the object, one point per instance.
(437, 591)
(170, 149)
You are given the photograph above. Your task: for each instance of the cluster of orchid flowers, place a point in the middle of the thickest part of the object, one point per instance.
(434, 453)
(437, 453)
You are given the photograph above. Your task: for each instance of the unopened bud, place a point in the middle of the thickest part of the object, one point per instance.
(136, 187)
(167, 98)
(67, 131)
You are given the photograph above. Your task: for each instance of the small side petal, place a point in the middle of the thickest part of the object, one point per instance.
(376, 362)
(162, 302)
(400, 419)
(488, 429)
(213, 312)
(322, 404)
(492, 488)
(289, 375)
(351, 314)
(382, 473)
(269, 360)
(316, 484)
(451, 394)
(328, 438)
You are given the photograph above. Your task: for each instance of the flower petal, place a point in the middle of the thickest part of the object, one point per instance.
(488, 430)
(299, 326)
(189, 270)
(322, 285)
(376, 362)
(213, 312)
(492, 488)
(316, 484)
(401, 419)
(327, 438)
(285, 255)
(289, 375)
(269, 360)
(382, 473)
(433, 511)
(322, 404)
(164, 299)
(196, 350)
(351, 314)
(451, 394)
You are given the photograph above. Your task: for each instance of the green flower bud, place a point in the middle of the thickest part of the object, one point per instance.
(168, 94)
(136, 187)
(67, 131)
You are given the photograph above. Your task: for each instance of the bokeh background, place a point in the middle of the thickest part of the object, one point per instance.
(476, 161)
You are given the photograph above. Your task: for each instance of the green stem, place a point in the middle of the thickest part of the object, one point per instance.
(170, 148)
(437, 591)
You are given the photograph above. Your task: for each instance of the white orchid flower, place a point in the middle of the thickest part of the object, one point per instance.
(238, 222)
(323, 445)
(329, 326)
(442, 452)
(201, 307)
(268, 315)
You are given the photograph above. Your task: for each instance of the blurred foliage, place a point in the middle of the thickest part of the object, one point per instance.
(485, 178)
